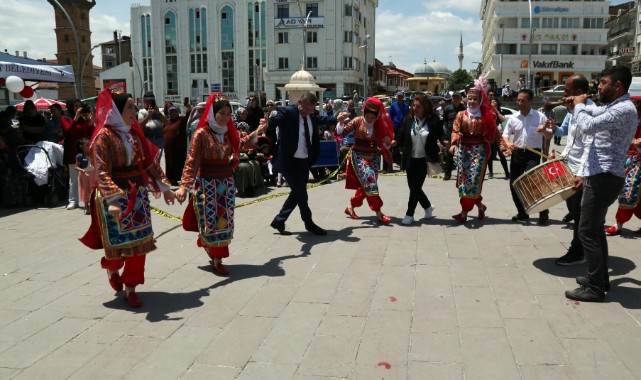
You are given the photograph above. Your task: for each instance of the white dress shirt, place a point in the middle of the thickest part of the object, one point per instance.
(301, 151)
(523, 128)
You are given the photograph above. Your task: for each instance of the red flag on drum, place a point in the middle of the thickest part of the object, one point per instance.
(555, 170)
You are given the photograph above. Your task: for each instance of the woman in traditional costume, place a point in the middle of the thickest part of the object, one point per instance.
(208, 175)
(373, 133)
(473, 133)
(120, 212)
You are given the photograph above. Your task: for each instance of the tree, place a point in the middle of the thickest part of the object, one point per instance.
(459, 80)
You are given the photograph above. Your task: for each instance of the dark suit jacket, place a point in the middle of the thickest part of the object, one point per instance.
(287, 119)
(404, 139)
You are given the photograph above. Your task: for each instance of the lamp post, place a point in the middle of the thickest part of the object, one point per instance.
(84, 63)
(479, 67)
(78, 86)
(365, 74)
(529, 59)
(501, 56)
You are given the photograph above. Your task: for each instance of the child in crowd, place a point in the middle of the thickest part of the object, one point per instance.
(87, 175)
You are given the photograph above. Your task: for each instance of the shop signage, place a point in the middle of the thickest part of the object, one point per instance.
(551, 64)
(538, 10)
(116, 86)
(171, 98)
(554, 37)
(626, 50)
(298, 22)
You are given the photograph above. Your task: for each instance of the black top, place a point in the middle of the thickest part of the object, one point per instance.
(404, 139)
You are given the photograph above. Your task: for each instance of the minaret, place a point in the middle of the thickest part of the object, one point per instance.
(460, 53)
(78, 11)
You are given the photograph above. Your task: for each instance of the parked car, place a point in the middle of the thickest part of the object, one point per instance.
(507, 112)
(555, 92)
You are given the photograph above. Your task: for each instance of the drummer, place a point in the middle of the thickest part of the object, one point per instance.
(574, 150)
(528, 128)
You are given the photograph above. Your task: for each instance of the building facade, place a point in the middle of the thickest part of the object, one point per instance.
(565, 38)
(190, 48)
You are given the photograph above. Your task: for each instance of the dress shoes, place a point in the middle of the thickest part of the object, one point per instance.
(570, 258)
(219, 268)
(519, 217)
(460, 217)
(114, 281)
(447, 177)
(544, 217)
(568, 218)
(585, 294)
(613, 231)
(280, 227)
(316, 230)
(351, 213)
(383, 219)
(583, 281)
(132, 299)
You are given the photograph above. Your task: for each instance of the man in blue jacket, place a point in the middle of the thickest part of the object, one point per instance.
(397, 112)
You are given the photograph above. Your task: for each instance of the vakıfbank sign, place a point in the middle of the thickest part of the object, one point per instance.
(548, 64)
(538, 10)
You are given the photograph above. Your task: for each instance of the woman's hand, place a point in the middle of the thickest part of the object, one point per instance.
(114, 210)
(169, 197)
(181, 195)
(452, 149)
(342, 117)
(386, 142)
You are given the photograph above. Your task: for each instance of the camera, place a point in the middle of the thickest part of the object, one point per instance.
(151, 103)
(85, 109)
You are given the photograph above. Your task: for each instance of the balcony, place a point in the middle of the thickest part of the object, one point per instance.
(620, 33)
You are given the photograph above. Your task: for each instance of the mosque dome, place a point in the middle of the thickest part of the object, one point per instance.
(424, 70)
(302, 77)
(438, 67)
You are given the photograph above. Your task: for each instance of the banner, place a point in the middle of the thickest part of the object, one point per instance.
(46, 73)
(116, 86)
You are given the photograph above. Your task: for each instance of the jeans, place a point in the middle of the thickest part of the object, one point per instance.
(73, 184)
(599, 192)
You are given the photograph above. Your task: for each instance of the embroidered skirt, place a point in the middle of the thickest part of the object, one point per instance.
(362, 171)
(471, 164)
(629, 198)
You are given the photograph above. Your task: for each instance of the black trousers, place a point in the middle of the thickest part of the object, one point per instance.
(574, 205)
(416, 172)
(522, 161)
(599, 192)
(296, 175)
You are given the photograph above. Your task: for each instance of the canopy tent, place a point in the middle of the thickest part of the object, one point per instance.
(42, 104)
(32, 70)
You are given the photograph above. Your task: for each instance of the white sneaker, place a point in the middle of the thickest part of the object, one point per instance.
(407, 220)
(72, 206)
(428, 212)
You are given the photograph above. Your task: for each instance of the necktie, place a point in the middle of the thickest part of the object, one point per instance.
(308, 141)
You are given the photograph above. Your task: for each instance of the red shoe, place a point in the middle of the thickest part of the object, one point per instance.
(384, 219)
(114, 281)
(220, 268)
(613, 230)
(460, 217)
(351, 213)
(482, 212)
(132, 299)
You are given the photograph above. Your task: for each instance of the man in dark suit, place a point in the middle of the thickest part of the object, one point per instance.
(298, 149)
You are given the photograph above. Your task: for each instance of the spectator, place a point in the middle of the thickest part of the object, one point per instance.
(175, 142)
(254, 113)
(7, 130)
(53, 128)
(151, 120)
(32, 124)
(81, 126)
(397, 112)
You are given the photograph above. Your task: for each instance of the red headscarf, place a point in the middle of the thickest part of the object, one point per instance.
(383, 124)
(232, 131)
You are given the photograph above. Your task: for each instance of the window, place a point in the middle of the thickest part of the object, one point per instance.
(227, 46)
(171, 57)
(348, 36)
(282, 11)
(283, 63)
(592, 23)
(66, 38)
(506, 49)
(525, 22)
(312, 62)
(548, 49)
(568, 49)
(549, 22)
(525, 49)
(283, 37)
(348, 10)
(312, 7)
(347, 63)
(569, 22)
(312, 37)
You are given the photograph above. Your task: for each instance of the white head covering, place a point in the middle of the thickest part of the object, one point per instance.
(211, 120)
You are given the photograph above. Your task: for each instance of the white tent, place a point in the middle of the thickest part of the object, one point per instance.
(32, 70)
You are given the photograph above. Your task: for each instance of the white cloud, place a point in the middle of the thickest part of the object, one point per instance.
(29, 26)
(409, 40)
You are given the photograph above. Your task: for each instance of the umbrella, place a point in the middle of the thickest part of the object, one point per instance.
(42, 104)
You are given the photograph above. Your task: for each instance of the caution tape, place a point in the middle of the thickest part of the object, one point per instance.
(164, 213)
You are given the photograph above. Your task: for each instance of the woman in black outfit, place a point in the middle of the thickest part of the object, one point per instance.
(495, 149)
(418, 139)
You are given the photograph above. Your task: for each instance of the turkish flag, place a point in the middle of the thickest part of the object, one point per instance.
(554, 170)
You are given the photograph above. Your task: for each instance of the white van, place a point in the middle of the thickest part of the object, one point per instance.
(635, 87)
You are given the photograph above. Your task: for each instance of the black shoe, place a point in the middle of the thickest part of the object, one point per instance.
(585, 294)
(518, 217)
(313, 228)
(570, 258)
(568, 218)
(490, 176)
(447, 177)
(583, 281)
(280, 227)
(543, 218)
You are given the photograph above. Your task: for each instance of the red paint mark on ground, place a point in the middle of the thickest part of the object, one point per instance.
(385, 364)
(574, 302)
(393, 299)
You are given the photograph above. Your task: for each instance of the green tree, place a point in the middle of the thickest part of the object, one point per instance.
(459, 80)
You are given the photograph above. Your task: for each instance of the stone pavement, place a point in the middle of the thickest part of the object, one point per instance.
(435, 300)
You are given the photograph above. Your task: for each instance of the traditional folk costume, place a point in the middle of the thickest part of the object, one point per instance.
(208, 172)
(473, 133)
(126, 167)
(629, 199)
(370, 140)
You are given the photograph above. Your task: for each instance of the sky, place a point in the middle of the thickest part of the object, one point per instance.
(408, 32)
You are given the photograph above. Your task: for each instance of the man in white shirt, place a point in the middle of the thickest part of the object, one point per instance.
(528, 129)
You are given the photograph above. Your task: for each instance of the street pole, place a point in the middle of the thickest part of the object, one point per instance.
(78, 86)
(529, 60)
(365, 73)
(501, 57)
(82, 68)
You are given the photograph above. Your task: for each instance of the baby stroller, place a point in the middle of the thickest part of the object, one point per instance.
(43, 162)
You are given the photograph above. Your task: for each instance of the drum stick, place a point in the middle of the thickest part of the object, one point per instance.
(537, 152)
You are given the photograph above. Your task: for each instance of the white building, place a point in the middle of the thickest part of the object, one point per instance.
(188, 48)
(568, 37)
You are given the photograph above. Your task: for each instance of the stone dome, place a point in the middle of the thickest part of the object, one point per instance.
(438, 67)
(302, 77)
(424, 71)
